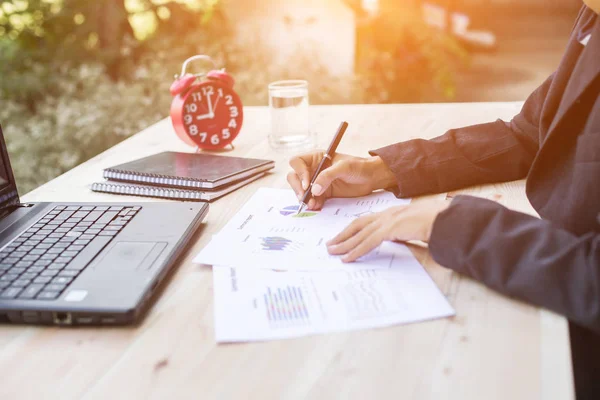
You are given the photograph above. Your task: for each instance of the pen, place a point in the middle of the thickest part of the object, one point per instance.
(322, 165)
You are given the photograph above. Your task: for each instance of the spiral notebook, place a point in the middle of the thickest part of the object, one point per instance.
(187, 170)
(171, 193)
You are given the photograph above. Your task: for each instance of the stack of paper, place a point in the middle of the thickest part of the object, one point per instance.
(273, 276)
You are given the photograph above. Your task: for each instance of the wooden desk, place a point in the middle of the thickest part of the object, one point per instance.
(495, 348)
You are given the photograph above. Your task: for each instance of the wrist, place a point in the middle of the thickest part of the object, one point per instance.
(382, 175)
(435, 208)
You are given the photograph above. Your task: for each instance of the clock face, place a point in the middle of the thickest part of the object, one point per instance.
(212, 115)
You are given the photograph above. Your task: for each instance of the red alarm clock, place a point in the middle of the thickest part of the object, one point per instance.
(206, 112)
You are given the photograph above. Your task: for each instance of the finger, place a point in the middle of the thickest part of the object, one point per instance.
(295, 184)
(356, 226)
(352, 242)
(300, 166)
(338, 170)
(319, 202)
(364, 247)
(311, 204)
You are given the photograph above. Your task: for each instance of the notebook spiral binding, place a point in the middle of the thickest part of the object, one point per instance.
(138, 190)
(155, 179)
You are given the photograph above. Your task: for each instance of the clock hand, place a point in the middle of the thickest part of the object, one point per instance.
(211, 112)
(205, 116)
(217, 103)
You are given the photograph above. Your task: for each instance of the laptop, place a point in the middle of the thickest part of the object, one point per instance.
(84, 263)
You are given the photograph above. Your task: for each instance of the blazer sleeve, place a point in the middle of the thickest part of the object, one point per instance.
(521, 256)
(478, 154)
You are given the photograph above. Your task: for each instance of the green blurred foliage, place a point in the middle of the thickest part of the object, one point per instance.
(75, 78)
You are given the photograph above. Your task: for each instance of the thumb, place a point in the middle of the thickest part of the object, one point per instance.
(338, 170)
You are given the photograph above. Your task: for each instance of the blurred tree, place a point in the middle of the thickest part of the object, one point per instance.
(401, 59)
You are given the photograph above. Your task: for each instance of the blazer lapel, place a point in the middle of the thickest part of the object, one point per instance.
(586, 70)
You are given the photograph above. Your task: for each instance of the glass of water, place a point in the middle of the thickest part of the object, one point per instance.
(288, 103)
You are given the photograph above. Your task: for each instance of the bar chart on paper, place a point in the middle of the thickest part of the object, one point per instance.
(268, 232)
(265, 304)
(286, 306)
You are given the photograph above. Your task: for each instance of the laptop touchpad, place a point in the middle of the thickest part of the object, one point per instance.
(132, 255)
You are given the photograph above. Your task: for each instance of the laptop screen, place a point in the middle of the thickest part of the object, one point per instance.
(8, 189)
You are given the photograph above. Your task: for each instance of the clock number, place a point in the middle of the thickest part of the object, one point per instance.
(226, 134)
(208, 90)
(229, 100)
(214, 139)
(191, 108)
(203, 136)
(188, 119)
(232, 123)
(220, 91)
(233, 112)
(193, 130)
(197, 96)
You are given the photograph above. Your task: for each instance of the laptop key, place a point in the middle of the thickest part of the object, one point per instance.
(49, 272)
(68, 273)
(24, 264)
(17, 270)
(20, 283)
(47, 295)
(107, 217)
(63, 259)
(92, 216)
(10, 293)
(75, 266)
(8, 277)
(28, 275)
(35, 269)
(4, 285)
(42, 263)
(62, 279)
(31, 291)
(55, 287)
(42, 279)
(56, 266)
(63, 215)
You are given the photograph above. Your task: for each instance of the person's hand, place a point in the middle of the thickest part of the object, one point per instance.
(347, 176)
(399, 224)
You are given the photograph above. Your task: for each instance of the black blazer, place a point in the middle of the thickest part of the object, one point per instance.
(553, 262)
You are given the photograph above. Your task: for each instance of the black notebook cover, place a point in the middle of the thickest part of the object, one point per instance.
(187, 170)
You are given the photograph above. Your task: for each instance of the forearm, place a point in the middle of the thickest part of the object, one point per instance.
(521, 256)
(486, 153)
(460, 158)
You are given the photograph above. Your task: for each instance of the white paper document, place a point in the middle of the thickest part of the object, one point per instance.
(267, 233)
(262, 304)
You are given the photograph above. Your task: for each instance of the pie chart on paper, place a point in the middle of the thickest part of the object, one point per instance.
(291, 211)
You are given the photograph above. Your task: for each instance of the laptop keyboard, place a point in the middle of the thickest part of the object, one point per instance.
(42, 261)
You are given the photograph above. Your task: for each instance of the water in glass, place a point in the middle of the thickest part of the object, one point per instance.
(288, 102)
